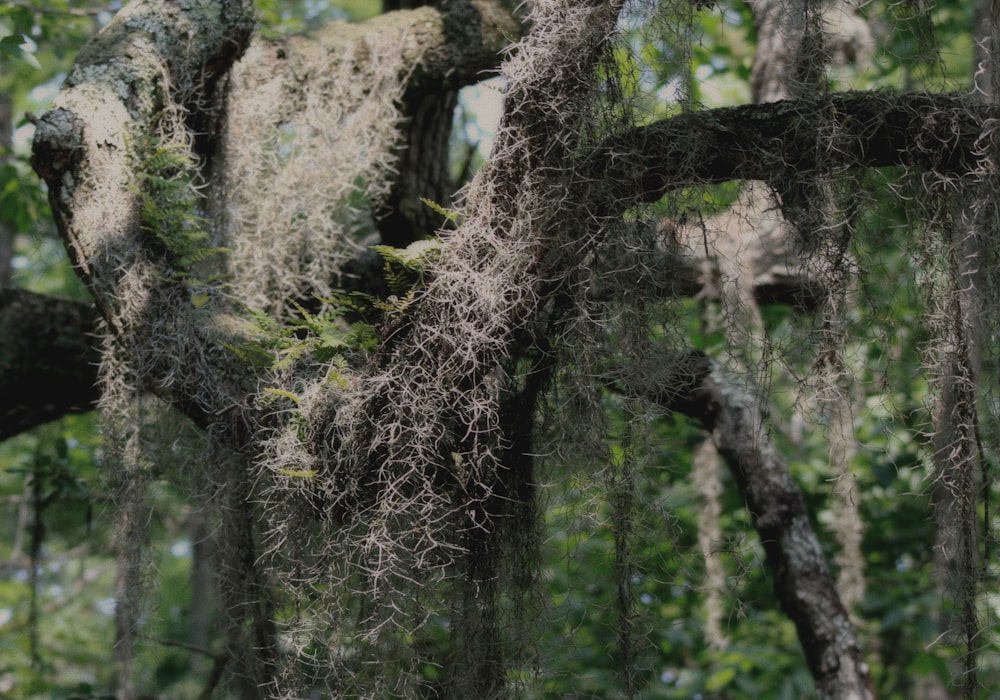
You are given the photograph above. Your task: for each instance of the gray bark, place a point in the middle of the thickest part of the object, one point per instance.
(125, 77)
(752, 141)
(48, 359)
(755, 141)
(803, 582)
(778, 141)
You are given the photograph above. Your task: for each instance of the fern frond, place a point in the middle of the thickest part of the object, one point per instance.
(167, 156)
(273, 393)
(254, 355)
(452, 215)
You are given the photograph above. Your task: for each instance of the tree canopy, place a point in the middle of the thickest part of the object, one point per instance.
(685, 389)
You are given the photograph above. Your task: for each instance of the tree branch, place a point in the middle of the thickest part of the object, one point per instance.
(154, 58)
(779, 140)
(48, 359)
(441, 48)
(803, 582)
(932, 130)
(156, 55)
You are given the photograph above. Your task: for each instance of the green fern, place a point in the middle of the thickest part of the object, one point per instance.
(324, 336)
(328, 336)
(299, 473)
(252, 354)
(169, 200)
(405, 268)
(273, 394)
(452, 215)
(166, 157)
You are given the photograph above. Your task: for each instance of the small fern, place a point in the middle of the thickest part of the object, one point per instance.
(452, 215)
(404, 268)
(169, 203)
(275, 394)
(325, 337)
(329, 336)
(299, 473)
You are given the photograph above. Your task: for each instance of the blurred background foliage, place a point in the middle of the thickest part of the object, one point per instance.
(57, 578)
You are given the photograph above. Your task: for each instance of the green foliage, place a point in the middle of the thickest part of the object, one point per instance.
(324, 337)
(38, 38)
(328, 335)
(671, 657)
(452, 216)
(20, 198)
(46, 486)
(169, 203)
(577, 630)
(279, 17)
(405, 268)
(13, 47)
(930, 44)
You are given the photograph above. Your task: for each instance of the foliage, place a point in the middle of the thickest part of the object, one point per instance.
(169, 200)
(577, 646)
(39, 41)
(325, 336)
(55, 635)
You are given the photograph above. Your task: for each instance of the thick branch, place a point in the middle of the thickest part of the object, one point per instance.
(779, 140)
(48, 361)
(803, 583)
(442, 48)
(157, 56)
(153, 58)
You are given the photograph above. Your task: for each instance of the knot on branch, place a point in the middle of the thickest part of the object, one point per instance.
(58, 143)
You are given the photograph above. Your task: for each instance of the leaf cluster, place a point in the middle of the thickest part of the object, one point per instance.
(169, 204)
(344, 330)
(324, 336)
(405, 269)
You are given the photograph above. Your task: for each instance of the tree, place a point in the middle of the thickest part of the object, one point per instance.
(377, 425)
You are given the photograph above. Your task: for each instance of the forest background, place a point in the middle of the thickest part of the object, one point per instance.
(702, 618)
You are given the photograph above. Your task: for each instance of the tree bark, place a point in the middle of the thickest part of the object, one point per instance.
(142, 64)
(779, 140)
(940, 131)
(803, 583)
(423, 169)
(48, 359)
(134, 69)
(752, 141)
(109, 95)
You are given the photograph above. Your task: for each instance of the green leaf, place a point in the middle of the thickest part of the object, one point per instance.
(282, 393)
(13, 46)
(251, 354)
(451, 215)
